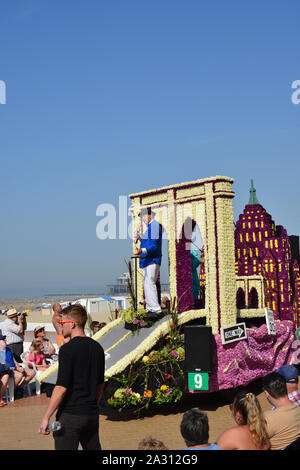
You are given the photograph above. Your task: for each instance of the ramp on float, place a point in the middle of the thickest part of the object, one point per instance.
(121, 346)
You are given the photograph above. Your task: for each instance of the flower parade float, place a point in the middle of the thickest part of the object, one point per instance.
(145, 361)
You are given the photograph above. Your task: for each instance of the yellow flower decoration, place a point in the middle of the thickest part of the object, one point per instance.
(163, 387)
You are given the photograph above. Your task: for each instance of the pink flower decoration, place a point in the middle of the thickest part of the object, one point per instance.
(296, 357)
(296, 344)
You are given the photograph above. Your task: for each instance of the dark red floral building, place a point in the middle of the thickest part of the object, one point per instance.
(263, 248)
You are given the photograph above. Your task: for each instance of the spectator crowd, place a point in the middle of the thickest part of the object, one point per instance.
(276, 429)
(16, 364)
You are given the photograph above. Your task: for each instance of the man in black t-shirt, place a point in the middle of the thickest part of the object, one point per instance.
(79, 386)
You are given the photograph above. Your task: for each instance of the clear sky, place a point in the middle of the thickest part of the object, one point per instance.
(108, 98)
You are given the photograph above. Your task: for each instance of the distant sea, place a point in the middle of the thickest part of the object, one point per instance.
(10, 294)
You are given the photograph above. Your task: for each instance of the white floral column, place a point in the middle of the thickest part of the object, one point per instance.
(172, 244)
(226, 261)
(210, 254)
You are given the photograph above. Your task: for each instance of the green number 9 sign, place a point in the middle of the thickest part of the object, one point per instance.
(198, 381)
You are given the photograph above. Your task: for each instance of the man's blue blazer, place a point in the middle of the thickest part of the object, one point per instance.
(151, 240)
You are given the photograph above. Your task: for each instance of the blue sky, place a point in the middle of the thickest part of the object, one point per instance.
(110, 98)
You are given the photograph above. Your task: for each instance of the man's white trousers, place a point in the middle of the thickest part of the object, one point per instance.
(150, 274)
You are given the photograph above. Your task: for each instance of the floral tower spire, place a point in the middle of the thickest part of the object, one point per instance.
(253, 199)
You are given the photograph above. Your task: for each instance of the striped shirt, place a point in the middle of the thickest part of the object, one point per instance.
(295, 397)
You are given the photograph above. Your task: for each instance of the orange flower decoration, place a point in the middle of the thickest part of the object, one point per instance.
(148, 393)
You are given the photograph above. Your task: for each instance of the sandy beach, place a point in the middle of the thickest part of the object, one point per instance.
(22, 304)
(118, 431)
(43, 316)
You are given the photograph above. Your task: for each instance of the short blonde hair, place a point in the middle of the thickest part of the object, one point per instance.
(77, 313)
(36, 344)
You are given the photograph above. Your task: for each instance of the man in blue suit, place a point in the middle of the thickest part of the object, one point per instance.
(150, 260)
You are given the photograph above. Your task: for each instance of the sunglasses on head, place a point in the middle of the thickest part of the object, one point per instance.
(67, 321)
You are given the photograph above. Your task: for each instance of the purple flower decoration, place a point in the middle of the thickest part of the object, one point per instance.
(142, 324)
(247, 360)
(128, 391)
(135, 321)
(174, 353)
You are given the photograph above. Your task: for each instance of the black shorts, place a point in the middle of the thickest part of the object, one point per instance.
(77, 429)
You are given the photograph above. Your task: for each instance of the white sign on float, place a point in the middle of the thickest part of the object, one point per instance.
(270, 321)
(233, 333)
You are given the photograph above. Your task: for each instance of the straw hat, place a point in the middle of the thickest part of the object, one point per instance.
(12, 312)
(38, 328)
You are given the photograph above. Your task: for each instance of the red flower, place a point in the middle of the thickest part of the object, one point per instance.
(168, 376)
(172, 326)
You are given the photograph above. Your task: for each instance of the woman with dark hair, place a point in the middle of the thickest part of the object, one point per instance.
(251, 430)
(47, 347)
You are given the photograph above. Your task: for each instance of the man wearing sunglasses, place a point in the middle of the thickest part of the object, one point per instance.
(79, 386)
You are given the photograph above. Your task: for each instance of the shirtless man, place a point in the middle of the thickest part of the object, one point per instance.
(57, 316)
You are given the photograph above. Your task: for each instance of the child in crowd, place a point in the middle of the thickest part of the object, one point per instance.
(36, 356)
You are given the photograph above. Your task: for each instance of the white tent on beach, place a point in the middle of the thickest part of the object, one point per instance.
(103, 304)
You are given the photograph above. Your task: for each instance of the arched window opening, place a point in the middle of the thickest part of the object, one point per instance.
(253, 298)
(240, 299)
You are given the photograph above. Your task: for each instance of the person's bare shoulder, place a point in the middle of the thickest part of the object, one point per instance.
(227, 440)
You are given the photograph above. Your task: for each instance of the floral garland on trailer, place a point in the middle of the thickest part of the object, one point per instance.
(161, 367)
(153, 338)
